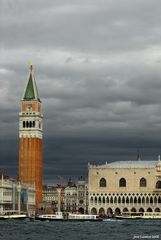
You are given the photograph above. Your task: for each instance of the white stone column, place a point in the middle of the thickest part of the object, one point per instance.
(1, 197)
(19, 200)
(59, 198)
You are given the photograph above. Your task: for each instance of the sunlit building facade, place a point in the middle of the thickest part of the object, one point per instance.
(125, 186)
(10, 193)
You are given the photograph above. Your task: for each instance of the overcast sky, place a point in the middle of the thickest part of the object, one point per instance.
(98, 70)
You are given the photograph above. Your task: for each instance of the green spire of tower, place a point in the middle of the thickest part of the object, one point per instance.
(31, 92)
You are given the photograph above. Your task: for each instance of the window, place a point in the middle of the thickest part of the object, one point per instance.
(158, 184)
(142, 182)
(24, 125)
(122, 182)
(27, 124)
(103, 182)
(33, 123)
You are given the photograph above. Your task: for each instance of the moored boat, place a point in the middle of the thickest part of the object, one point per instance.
(58, 216)
(10, 214)
(130, 215)
(152, 215)
(140, 215)
(83, 217)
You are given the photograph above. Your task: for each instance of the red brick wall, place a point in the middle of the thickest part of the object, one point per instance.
(30, 164)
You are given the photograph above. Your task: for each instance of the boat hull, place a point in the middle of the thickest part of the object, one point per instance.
(48, 219)
(140, 216)
(68, 220)
(84, 220)
(5, 217)
(128, 218)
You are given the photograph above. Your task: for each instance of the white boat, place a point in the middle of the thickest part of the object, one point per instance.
(140, 215)
(151, 215)
(130, 215)
(58, 216)
(10, 214)
(83, 217)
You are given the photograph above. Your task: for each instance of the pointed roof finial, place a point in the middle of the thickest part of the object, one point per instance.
(30, 63)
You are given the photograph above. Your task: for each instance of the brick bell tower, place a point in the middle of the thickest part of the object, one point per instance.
(30, 137)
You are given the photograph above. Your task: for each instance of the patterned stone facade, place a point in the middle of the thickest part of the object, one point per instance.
(133, 186)
(76, 196)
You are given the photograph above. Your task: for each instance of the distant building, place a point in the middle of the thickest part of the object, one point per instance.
(51, 198)
(73, 197)
(125, 186)
(82, 196)
(76, 196)
(70, 202)
(50, 194)
(11, 191)
(30, 137)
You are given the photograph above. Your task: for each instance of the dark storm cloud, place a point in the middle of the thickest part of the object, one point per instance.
(97, 65)
(86, 26)
(72, 151)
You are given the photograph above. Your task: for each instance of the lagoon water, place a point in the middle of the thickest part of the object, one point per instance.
(110, 229)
